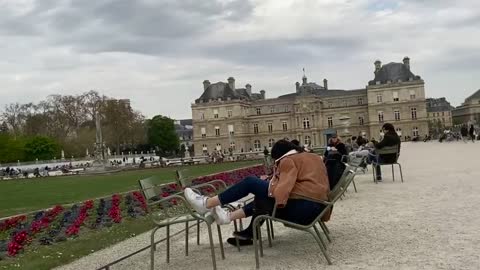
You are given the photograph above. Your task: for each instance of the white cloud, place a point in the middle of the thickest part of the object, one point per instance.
(157, 53)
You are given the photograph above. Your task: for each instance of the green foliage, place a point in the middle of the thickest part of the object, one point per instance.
(27, 148)
(43, 148)
(161, 134)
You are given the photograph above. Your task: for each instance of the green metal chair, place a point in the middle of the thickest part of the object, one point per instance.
(311, 228)
(168, 216)
(388, 150)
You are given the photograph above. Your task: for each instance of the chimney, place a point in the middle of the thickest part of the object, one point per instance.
(206, 84)
(231, 83)
(248, 87)
(325, 84)
(406, 62)
(378, 66)
(297, 86)
(262, 92)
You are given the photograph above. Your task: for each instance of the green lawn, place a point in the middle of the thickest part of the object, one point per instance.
(20, 196)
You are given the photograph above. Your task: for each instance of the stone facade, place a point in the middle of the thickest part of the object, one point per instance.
(439, 112)
(469, 111)
(226, 117)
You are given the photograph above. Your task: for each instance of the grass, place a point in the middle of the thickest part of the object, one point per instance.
(20, 196)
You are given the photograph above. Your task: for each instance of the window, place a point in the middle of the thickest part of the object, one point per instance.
(231, 130)
(255, 128)
(306, 123)
(286, 109)
(202, 115)
(215, 113)
(259, 111)
(257, 145)
(443, 113)
(345, 104)
(229, 113)
(272, 109)
(314, 139)
(232, 145)
(204, 132)
(271, 142)
(361, 121)
(380, 117)
(414, 113)
(204, 147)
(360, 101)
(217, 131)
(308, 140)
(397, 115)
(284, 126)
(395, 97)
(415, 132)
(379, 98)
(298, 121)
(399, 131)
(330, 121)
(412, 94)
(270, 127)
(219, 147)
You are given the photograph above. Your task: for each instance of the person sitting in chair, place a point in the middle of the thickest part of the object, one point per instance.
(297, 175)
(334, 160)
(389, 139)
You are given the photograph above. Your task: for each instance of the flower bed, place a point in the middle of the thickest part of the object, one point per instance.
(60, 224)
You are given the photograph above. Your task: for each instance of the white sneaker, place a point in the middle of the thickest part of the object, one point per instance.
(222, 217)
(197, 201)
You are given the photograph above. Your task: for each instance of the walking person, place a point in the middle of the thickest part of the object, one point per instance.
(472, 133)
(464, 133)
(296, 174)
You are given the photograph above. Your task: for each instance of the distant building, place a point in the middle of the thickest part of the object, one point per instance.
(184, 131)
(439, 112)
(226, 117)
(469, 111)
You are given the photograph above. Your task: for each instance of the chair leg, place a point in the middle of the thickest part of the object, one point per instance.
(198, 232)
(272, 231)
(212, 249)
(320, 236)
(269, 233)
(325, 227)
(401, 174)
(186, 238)
(256, 223)
(222, 251)
(152, 248)
(237, 243)
(325, 231)
(354, 186)
(168, 243)
(260, 240)
(393, 173)
(373, 172)
(324, 251)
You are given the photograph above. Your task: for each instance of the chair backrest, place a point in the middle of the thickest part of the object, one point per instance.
(356, 161)
(148, 188)
(342, 185)
(388, 150)
(182, 179)
(268, 163)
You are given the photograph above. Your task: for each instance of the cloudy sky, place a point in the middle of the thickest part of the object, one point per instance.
(158, 52)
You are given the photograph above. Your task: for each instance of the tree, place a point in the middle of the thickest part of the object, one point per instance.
(3, 128)
(40, 147)
(161, 134)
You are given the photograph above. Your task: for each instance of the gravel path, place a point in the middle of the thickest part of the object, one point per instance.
(432, 221)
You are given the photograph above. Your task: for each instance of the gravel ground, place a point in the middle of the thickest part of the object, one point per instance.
(431, 221)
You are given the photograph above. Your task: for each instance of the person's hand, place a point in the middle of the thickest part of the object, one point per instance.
(264, 177)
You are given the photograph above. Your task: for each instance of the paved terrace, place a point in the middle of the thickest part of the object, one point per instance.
(432, 221)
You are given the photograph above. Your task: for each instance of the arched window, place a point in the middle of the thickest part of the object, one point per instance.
(219, 147)
(257, 145)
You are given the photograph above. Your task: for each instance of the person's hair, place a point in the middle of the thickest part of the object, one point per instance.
(388, 127)
(282, 147)
(296, 142)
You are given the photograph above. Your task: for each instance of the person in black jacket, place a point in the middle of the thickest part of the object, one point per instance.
(472, 133)
(333, 160)
(389, 139)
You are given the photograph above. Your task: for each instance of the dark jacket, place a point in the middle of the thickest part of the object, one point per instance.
(334, 164)
(464, 131)
(472, 131)
(389, 139)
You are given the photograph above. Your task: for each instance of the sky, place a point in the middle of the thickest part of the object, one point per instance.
(157, 53)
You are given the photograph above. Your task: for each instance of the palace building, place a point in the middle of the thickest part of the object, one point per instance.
(226, 117)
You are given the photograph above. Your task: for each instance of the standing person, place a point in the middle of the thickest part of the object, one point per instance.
(472, 133)
(296, 175)
(464, 133)
(389, 139)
